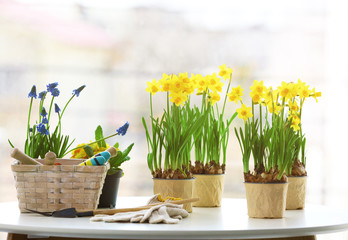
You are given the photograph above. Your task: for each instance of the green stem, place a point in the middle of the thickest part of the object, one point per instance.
(93, 142)
(151, 107)
(261, 140)
(228, 88)
(61, 115)
(49, 112)
(28, 126)
(66, 106)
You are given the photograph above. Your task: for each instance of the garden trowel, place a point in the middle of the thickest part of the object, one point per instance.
(72, 213)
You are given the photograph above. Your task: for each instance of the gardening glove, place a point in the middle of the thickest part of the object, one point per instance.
(120, 217)
(164, 213)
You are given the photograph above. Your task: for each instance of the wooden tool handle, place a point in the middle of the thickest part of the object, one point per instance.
(23, 158)
(120, 210)
(50, 157)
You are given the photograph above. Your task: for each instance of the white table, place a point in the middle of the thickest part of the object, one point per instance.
(228, 222)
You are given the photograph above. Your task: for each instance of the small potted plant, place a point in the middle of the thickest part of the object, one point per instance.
(297, 175)
(270, 139)
(108, 196)
(41, 136)
(169, 139)
(211, 144)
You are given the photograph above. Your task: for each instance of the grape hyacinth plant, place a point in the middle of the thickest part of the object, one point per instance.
(41, 136)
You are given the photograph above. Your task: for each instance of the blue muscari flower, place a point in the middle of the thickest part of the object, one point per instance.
(51, 86)
(56, 108)
(123, 130)
(45, 120)
(77, 91)
(32, 93)
(43, 112)
(41, 128)
(55, 92)
(42, 94)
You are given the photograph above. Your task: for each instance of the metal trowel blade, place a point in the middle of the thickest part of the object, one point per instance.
(65, 213)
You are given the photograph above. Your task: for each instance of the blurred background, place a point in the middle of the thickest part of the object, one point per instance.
(115, 47)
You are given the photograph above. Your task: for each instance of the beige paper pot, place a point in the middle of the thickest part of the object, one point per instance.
(266, 200)
(179, 188)
(296, 193)
(209, 188)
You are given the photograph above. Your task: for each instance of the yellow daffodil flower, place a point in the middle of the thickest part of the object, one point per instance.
(287, 90)
(235, 94)
(177, 85)
(184, 77)
(201, 83)
(213, 97)
(214, 83)
(271, 95)
(165, 82)
(256, 97)
(244, 112)
(178, 98)
(295, 127)
(315, 94)
(274, 107)
(225, 72)
(303, 89)
(258, 88)
(189, 88)
(293, 107)
(295, 121)
(153, 87)
(194, 79)
(300, 84)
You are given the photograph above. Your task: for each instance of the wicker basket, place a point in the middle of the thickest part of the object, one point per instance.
(48, 188)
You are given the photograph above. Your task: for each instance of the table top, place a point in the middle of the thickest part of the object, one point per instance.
(227, 222)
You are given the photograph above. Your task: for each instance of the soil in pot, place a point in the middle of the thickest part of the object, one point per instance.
(108, 196)
(173, 174)
(209, 168)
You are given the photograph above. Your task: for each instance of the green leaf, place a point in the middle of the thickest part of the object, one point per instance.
(121, 157)
(150, 161)
(88, 150)
(99, 135)
(128, 149)
(10, 143)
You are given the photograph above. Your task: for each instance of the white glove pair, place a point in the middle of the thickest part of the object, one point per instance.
(164, 213)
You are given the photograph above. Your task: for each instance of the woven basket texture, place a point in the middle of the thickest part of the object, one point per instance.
(48, 188)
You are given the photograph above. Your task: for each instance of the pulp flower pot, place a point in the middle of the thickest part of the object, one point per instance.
(209, 188)
(178, 188)
(109, 193)
(266, 200)
(296, 193)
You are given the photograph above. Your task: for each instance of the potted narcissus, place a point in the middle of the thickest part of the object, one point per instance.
(169, 137)
(271, 139)
(211, 144)
(297, 175)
